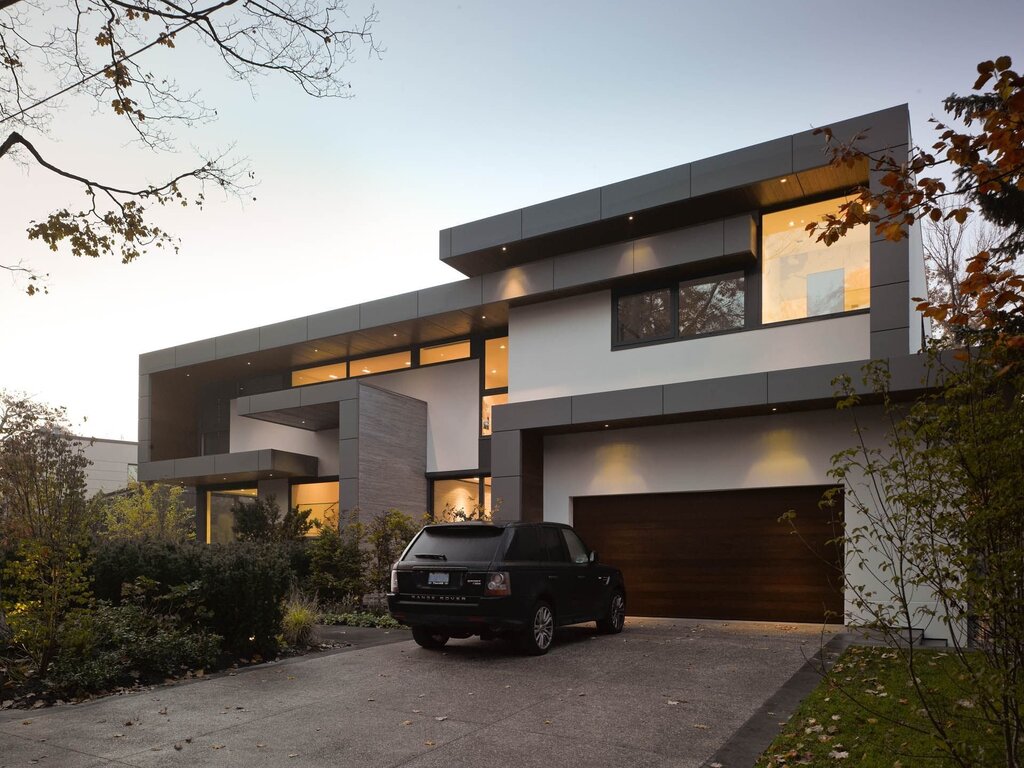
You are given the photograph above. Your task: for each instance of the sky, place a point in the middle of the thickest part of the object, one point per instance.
(474, 108)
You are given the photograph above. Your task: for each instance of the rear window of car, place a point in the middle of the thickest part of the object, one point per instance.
(472, 543)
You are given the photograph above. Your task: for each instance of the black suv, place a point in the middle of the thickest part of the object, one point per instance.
(519, 580)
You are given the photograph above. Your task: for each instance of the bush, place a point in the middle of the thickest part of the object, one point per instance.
(106, 645)
(359, 619)
(261, 520)
(239, 587)
(300, 618)
(338, 561)
(388, 536)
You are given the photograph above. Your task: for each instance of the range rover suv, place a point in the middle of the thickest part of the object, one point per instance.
(516, 580)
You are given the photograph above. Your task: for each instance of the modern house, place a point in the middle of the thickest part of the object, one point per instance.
(651, 361)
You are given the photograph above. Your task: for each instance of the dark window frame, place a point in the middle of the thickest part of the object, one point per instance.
(672, 285)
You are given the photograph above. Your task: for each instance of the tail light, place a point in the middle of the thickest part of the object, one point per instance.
(394, 581)
(498, 584)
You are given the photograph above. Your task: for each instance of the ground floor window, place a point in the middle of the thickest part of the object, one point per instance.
(220, 515)
(464, 498)
(321, 499)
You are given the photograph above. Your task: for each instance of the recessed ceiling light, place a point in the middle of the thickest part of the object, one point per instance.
(774, 410)
(494, 370)
(247, 362)
(783, 181)
(606, 426)
(791, 223)
(504, 248)
(407, 362)
(502, 346)
(331, 376)
(483, 317)
(395, 335)
(272, 474)
(315, 349)
(187, 375)
(630, 218)
(366, 370)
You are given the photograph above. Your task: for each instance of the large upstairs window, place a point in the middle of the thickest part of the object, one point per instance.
(681, 310)
(803, 278)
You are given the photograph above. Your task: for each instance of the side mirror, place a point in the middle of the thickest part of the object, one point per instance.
(593, 558)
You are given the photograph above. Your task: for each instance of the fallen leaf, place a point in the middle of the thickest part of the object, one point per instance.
(260, 746)
(700, 726)
(672, 703)
(178, 746)
(407, 722)
(429, 743)
(163, 711)
(217, 746)
(442, 717)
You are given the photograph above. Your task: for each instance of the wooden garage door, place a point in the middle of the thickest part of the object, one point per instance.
(720, 555)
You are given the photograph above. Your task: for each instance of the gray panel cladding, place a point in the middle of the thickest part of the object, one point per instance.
(240, 343)
(716, 394)
(890, 262)
(563, 213)
(682, 246)
(392, 453)
(506, 453)
(743, 166)
(595, 265)
(337, 321)
(535, 277)
(450, 296)
(890, 306)
(648, 191)
(160, 360)
(495, 230)
(393, 309)
(196, 352)
(881, 130)
(620, 404)
(280, 334)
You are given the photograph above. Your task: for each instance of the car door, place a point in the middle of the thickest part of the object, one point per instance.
(560, 574)
(590, 585)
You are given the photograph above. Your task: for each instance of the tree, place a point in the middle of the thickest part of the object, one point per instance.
(939, 500)
(148, 511)
(106, 50)
(45, 517)
(948, 245)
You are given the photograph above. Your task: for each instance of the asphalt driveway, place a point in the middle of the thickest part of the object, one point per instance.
(663, 693)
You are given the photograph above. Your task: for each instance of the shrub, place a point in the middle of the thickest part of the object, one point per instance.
(338, 561)
(239, 588)
(106, 645)
(388, 536)
(300, 618)
(359, 619)
(261, 520)
(147, 510)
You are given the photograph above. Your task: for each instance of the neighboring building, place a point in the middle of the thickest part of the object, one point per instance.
(115, 464)
(650, 361)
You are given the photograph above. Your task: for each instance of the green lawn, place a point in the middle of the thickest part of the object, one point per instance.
(858, 716)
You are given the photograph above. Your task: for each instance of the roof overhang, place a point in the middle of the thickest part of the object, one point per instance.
(244, 466)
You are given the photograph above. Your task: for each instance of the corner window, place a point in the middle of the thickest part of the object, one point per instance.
(220, 513)
(459, 499)
(711, 304)
(803, 278)
(321, 499)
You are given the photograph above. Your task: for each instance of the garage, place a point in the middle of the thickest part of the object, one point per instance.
(721, 554)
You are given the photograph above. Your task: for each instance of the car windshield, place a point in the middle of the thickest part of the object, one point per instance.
(458, 543)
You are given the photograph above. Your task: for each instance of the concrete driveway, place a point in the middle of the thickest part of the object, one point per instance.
(663, 693)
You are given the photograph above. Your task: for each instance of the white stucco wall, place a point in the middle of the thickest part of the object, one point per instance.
(563, 347)
(452, 394)
(253, 435)
(754, 452)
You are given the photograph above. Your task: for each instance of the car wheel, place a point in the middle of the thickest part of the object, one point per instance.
(426, 637)
(612, 623)
(540, 630)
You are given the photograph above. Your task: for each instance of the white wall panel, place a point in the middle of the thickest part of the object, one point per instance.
(563, 347)
(452, 394)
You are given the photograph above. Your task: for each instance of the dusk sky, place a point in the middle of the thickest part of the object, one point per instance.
(475, 108)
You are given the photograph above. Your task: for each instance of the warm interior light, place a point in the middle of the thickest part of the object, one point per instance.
(407, 362)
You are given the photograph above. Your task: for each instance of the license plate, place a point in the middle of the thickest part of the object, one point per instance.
(436, 578)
